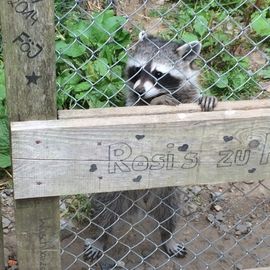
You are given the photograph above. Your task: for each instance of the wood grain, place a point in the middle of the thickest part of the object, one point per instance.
(134, 152)
(34, 101)
(162, 109)
(29, 55)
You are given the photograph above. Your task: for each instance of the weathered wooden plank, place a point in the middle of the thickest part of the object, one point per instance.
(150, 110)
(134, 152)
(29, 55)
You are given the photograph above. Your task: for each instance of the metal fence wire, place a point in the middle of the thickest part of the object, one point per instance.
(223, 51)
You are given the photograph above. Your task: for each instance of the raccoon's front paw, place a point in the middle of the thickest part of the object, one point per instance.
(175, 249)
(92, 250)
(164, 100)
(207, 103)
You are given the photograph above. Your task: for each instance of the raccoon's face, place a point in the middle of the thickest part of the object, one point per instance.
(158, 67)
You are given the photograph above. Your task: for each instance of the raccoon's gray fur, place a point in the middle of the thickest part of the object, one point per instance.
(158, 72)
(161, 72)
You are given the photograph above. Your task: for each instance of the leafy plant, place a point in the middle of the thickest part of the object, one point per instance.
(77, 207)
(226, 72)
(91, 56)
(4, 130)
(260, 23)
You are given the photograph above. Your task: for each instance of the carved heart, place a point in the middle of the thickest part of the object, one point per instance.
(252, 170)
(227, 138)
(139, 137)
(93, 168)
(137, 179)
(183, 148)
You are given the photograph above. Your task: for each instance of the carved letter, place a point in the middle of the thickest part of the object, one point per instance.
(226, 155)
(157, 161)
(37, 52)
(170, 161)
(21, 37)
(140, 163)
(21, 7)
(118, 153)
(241, 157)
(192, 159)
(266, 150)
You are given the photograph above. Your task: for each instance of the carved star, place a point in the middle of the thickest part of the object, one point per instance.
(32, 78)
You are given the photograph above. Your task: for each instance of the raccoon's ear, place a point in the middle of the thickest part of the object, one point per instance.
(189, 51)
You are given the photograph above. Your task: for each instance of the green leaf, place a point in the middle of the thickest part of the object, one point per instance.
(245, 62)
(82, 87)
(113, 23)
(96, 103)
(238, 79)
(222, 82)
(5, 160)
(98, 36)
(68, 77)
(91, 73)
(77, 29)
(2, 92)
(222, 37)
(260, 24)
(200, 25)
(265, 73)
(123, 38)
(209, 42)
(188, 37)
(2, 76)
(4, 144)
(80, 95)
(73, 50)
(101, 66)
(116, 72)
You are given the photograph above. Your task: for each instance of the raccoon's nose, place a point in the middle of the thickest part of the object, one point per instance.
(140, 89)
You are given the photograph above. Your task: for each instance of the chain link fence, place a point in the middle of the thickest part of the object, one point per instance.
(222, 226)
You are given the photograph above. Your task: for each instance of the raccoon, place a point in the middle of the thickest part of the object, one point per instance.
(161, 73)
(157, 72)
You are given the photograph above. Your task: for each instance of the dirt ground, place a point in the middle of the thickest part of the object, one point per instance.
(231, 233)
(222, 227)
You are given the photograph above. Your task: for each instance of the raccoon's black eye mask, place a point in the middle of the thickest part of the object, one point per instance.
(133, 73)
(167, 81)
(158, 74)
(164, 80)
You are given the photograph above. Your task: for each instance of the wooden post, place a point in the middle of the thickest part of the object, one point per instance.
(29, 55)
(2, 258)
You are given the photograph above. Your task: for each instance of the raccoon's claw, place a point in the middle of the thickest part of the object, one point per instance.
(164, 100)
(92, 250)
(207, 103)
(175, 249)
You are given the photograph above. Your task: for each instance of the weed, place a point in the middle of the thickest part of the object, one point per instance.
(4, 128)
(224, 30)
(90, 60)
